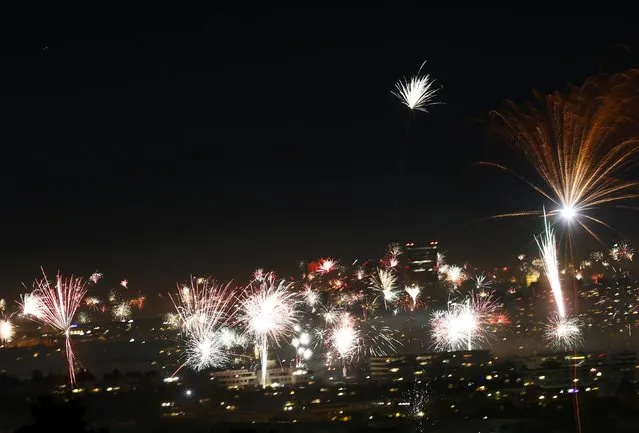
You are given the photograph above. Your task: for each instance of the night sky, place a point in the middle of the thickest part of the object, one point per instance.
(151, 144)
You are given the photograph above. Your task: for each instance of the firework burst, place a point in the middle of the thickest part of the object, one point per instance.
(350, 337)
(622, 251)
(463, 325)
(95, 277)
(563, 333)
(203, 311)
(413, 291)
(385, 282)
(418, 93)
(579, 143)
(93, 303)
(31, 305)
(58, 305)
(482, 282)
(122, 311)
(7, 330)
(268, 311)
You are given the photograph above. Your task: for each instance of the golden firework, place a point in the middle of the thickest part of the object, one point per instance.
(580, 143)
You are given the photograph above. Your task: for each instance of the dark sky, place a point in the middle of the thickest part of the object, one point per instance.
(154, 143)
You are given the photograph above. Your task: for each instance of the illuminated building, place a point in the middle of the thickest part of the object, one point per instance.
(420, 264)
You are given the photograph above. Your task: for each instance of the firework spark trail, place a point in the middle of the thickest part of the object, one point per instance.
(580, 143)
(203, 310)
(268, 310)
(58, 305)
(548, 249)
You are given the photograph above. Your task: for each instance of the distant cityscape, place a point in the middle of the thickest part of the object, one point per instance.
(136, 366)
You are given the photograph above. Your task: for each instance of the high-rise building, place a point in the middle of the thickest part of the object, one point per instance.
(420, 264)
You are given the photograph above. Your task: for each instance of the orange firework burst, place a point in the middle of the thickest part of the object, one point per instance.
(580, 143)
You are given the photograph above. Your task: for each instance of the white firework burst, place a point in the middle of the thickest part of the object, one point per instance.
(7, 330)
(203, 309)
(385, 282)
(31, 305)
(269, 313)
(563, 333)
(418, 92)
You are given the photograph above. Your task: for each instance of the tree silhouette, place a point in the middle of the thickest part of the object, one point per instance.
(53, 416)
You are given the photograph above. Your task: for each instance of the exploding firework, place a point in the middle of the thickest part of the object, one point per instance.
(392, 255)
(122, 311)
(563, 333)
(84, 318)
(580, 143)
(7, 330)
(311, 297)
(138, 302)
(31, 305)
(301, 343)
(418, 93)
(95, 277)
(3, 305)
(463, 325)
(93, 303)
(171, 320)
(203, 309)
(350, 337)
(58, 305)
(413, 292)
(230, 338)
(482, 282)
(622, 251)
(268, 310)
(124, 283)
(344, 339)
(453, 274)
(385, 282)
(326, 266)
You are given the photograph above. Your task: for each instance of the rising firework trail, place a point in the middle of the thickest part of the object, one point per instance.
(562, 331)
(268, 311)
(59, 302)
(548, 250)
(580, 143)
